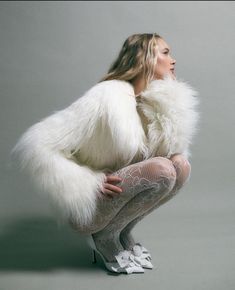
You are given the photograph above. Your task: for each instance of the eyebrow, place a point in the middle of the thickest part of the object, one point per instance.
(166, 48)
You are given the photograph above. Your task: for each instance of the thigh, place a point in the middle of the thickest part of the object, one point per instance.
(157, 172)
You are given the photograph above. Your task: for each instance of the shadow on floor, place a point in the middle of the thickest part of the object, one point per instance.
(38, 244)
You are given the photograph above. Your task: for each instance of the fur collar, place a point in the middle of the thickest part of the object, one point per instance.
(168, 110)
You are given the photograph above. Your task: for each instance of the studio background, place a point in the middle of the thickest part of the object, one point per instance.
(50, 54)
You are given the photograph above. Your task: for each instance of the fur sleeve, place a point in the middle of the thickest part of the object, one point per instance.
(44, 150)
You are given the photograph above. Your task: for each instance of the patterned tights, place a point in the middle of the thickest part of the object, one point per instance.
(146, 185)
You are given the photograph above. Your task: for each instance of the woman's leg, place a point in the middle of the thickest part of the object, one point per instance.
(152, 179)
(183, 170)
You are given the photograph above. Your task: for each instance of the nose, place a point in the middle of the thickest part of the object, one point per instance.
(173, 61)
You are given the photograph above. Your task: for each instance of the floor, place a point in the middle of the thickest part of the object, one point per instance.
(192, 247)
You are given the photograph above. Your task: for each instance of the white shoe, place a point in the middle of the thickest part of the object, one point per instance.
(126, 261)
(142, 255)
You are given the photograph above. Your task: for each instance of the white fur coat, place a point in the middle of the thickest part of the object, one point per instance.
(68, 153)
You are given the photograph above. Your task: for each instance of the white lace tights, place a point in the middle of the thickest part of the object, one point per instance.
(146, 185)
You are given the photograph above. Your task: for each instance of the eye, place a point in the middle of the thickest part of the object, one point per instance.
(166, 52)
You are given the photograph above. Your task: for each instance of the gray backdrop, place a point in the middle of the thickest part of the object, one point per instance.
(51, 53)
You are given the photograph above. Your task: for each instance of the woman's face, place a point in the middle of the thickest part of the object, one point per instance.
(165, 63)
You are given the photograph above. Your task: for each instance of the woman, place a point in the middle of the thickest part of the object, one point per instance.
(118, 152)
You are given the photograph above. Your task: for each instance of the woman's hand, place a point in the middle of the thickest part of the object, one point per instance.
(109, 189)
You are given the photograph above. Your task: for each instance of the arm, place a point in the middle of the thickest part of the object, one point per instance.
(44, 152)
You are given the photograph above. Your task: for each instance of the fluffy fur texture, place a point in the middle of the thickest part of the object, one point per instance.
(170, 116)
(68, 153)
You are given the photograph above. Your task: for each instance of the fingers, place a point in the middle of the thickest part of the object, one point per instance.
(112, 187)
(110, 193)
(111, 190)
(113, 178)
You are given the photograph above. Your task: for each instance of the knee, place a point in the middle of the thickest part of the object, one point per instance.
(187, 167)
(162, 168)
(182, 167)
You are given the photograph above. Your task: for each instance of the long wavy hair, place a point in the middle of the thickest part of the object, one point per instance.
(138, 57)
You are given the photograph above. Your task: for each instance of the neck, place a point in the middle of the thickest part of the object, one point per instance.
(138, 84)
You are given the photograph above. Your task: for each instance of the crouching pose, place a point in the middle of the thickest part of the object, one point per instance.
(118, 152)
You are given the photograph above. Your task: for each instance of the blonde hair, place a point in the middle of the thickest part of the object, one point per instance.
(138, 56)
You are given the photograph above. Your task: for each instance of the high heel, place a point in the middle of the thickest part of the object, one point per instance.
(93, 257)
(126, 262)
